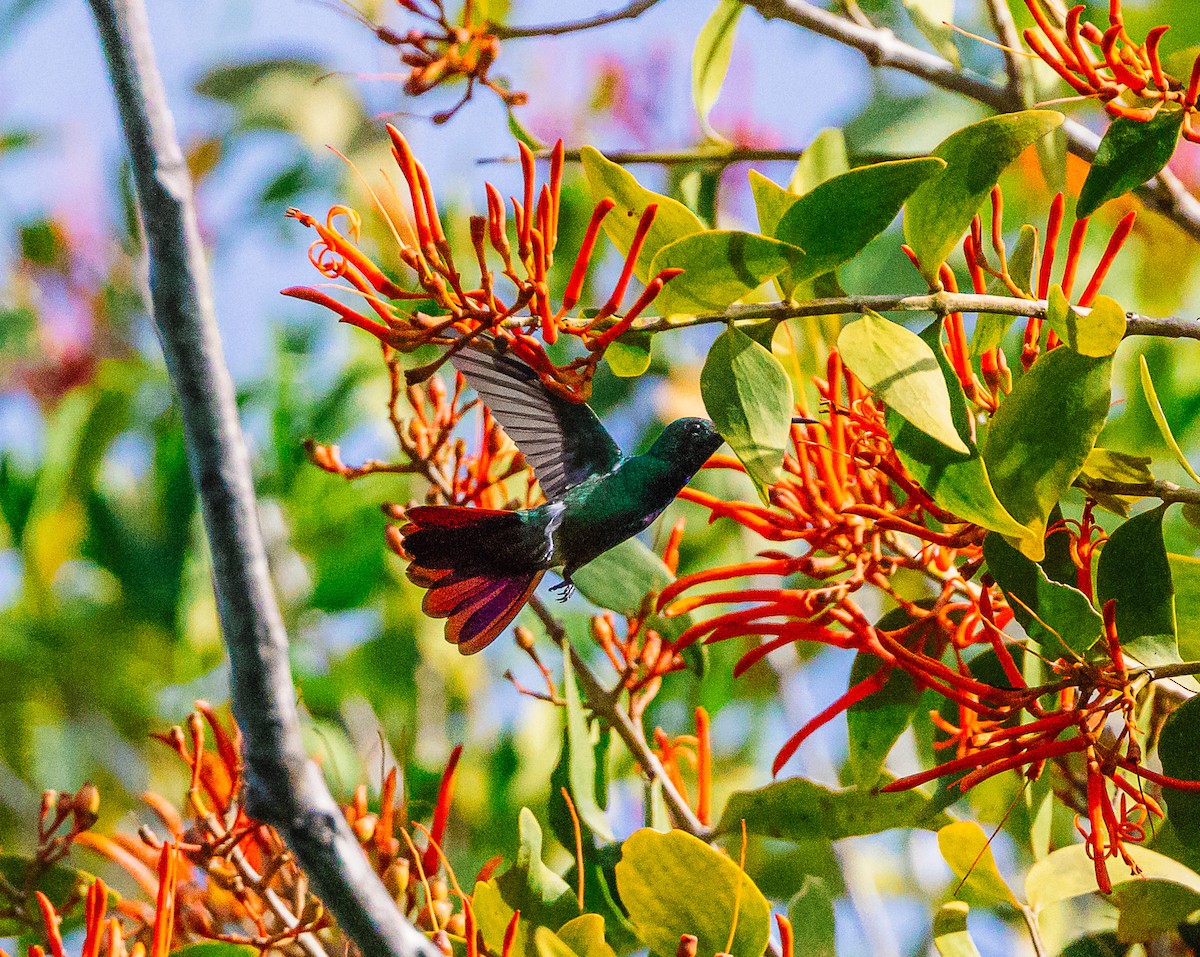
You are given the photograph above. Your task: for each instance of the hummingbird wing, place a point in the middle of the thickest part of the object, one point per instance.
(564, 441)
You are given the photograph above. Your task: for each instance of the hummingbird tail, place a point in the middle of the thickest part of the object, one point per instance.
(445, 544)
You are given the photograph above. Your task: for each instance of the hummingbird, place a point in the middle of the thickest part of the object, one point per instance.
(480, 566)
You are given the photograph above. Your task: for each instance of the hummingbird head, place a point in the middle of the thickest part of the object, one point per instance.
(687, 443)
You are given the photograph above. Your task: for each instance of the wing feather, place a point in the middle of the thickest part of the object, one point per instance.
(563, 441)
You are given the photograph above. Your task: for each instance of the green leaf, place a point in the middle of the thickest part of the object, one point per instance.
(959, 485)
(1095, 945)
(1149, 909)
(811, 915)
(950, 934)
(215, 948)
(530, 886)
(824, 158)
(1160, 419)
(673, 221)
(931, 17)
(1069, 872)
(720, 267)
(581, 764)
(1096, 334)
(940, 212)
(990, 327)
(748, 396)
(1181, 759)
(1111, 466)
(675, 884)
(1041, 436)
(1185, 576)
(1130, 154)
(876, 723)
(710, 59)
(834, 222)
(898, 367)
(1058, 617)
(620, 580)
(1134, 571)
(967, 850)
(584, 935)
(492, 916)
(771, 201)
(549, 944)
(800, 810)
(630, 355)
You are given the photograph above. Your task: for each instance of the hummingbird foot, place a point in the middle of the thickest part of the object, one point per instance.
(565, 589)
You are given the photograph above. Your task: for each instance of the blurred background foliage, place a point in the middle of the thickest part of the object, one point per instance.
(107, 622)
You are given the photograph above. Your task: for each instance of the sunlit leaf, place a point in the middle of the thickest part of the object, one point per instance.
(967, 850)
(710, 59)
(824, 158)
(675, 884)
(1058, 617)
(215, 948)
(673, 221)
(1069, 872)
(1130, 153)
(950, 934)
(1108, 465)
(800, 810)
(530, 886)
(835, 220)
(581, 765)
(629, 356)
(1098, 333)
(899, 367)
(940, 212)
(1160, 419)
(749, 398)
(931, 18)
(1134, 571)
(584, 935)
(720, 267)
(958, 483)
(1041, 436)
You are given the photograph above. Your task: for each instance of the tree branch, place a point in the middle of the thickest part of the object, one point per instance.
(1164, 194)
(1164, 491)
(634, 9)
(1005, 28)
(604, 705)
(702, 156)
(283, 787)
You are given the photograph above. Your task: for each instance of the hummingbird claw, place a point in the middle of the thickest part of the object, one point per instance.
(565, 589)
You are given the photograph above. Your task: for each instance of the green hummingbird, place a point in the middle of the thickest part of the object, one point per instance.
(480, 566)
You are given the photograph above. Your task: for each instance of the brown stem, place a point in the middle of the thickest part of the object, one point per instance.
(628, 12)
(283, 787)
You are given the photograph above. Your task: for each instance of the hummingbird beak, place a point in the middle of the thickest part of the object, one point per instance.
(800, 420)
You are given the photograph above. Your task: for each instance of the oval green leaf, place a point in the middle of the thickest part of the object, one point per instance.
(1130, 154)
(1181, 759)
(748, 396)
(1040, 437)
(720, 267)
(967, 850)
(710, 59)
(812, 918)
(1134, 571)
(932, 18)
(835, 220)
(581, 757)
(940, 212)
(673, 221)
(1069, 872)
(1097, 333)
(1160, 419)
(898, 367)
(630, 355)
(950, 934)
(675, 884)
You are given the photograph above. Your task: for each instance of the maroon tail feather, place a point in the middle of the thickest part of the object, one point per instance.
(477, 604)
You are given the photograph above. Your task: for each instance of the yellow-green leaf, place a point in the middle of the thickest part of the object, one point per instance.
(940, 212)
(710, 59)
(1160, 419)
(950, 934)
(1096, 334)
(673, 220)
(1069, 872)
(897, 366)
(824, 158)
(931, 18)
(674, 884)
(720, 267)
(748, 396)
(966, 848)
(1130, 153)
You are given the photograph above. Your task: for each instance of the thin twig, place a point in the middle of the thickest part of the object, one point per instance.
(1164, 491)
(1015, 68)
(628, 12)
(283, 787)
(1164, 194)
(1035, 932)
(699, 156)
(605, 706)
